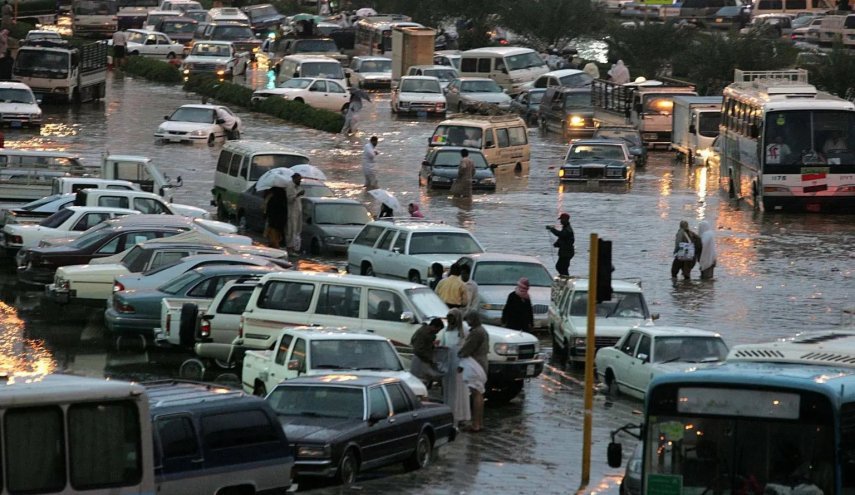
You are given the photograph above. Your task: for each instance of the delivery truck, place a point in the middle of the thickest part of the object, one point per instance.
(694, 124)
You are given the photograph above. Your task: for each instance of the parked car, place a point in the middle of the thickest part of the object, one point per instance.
(220, 14)
(38, 210)
(732, 17)
(310, 66)
(527, 105)
(152, 44)
(475, 93)
(647, 352)
(418, 94)
(573, 78)
(331, 224)
(568, 316)
(601, 160)
(180, 29)
(324, 48)
(195, 124)
(250, 203)
(235, 441)
(216, 58)
(237, 33)
(371, 72)
(497, 276)
(321, 351)
(770, 25)
(405, 249)
(440, 167)
(804, 25)
(18, 106)
(141, 201)
(450, 58)
(444, 73)
(69, 222)
(326, 94)
(138, 312)
(626, 133)
(343, 424)
(42, 35)
(812, 33)
(263, 18)
(567, 111)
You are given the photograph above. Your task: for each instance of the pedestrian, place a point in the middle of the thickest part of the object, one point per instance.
(455, 393)
(386, 211)
(423, 341)
(462, 187)
(592, 70)
(8, 14)
(474, 352)
(517, 314)
(228, 122)
(471, 288)
(354, 105)
(619, 73)
(6, 65)
(706, 260)
(452, 289)
(294, 220)
(685, 251)
(413, 209)
(436, 271)
(4, 43)
(120, 46)
(275, 215)
(369, 157)
(565, 243)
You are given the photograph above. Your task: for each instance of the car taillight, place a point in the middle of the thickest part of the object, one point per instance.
(118, 287)
(123, 307)
(205, 329)
(168, 323)
(240, 328)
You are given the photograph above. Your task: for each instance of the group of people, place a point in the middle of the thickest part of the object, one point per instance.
(283, 215)
(692, 248)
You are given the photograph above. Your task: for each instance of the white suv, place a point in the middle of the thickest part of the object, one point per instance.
(406, 249)
(568, 316)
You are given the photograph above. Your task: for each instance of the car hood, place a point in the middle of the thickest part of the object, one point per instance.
(506, 335)
(609, 327)
(487, 97)
(345, 231)
(682, 366)
(196, 59)
(170, 125)
(446, 260)
(316, 430)
(19, 108)
(428, 97)
(280, 91)
(91, 272)
(595, 163)
(498, 294)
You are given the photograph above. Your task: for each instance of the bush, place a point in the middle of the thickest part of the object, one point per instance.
(155, 70)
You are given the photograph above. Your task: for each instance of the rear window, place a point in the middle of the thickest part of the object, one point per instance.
(237, 429)
(443, 243)
(286, 296)
(368, 236)
(56, 219)
(850, 22)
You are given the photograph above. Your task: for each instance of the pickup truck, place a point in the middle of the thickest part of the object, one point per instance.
(318, 351)
(68, 222)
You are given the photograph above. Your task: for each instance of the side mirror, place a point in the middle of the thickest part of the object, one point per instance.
(294, 364)
(504, 70)
(692, 129)
(221, 121)
(614, 454)
(643, 357)
(408, 317)
(39, 101)
(635, 151)
(493, 167)
(426, 163)
(166, 117)
(375, 418)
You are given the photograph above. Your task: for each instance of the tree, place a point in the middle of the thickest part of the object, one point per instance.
(551, 22)
(647, 49)
(835, 72)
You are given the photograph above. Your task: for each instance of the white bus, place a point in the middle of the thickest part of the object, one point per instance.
(64, 434)
(785, 145)
(374, 34)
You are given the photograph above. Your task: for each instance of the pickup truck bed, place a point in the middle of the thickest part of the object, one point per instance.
(173, 319)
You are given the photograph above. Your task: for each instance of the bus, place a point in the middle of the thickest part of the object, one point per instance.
(793, 7)
(785, 145)
(374, 34)
(94, 17)
(776, 418)
(68, 434)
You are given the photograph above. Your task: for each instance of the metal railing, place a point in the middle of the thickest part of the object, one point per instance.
(792, 76)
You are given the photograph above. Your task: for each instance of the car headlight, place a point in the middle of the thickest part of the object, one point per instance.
(579, 342)
(576, 121)
(614, 172)
(313, 451)
(492, 307)
(62, 284)
(437, 178)
(505, 349)
(487, 180)
(197, 132)
(161, 130)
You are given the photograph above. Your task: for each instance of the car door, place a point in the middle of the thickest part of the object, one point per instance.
(225, 319)
(316, 93)
(384, 316)
(279, 371)
(177, 452)
(338, 305)
(624, 360)
(376, 442)
(638, 373)
(163, 45)
(380, 252)
(404, 421)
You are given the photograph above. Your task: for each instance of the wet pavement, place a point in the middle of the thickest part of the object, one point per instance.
(777, 274)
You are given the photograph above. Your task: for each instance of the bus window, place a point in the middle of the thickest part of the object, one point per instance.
(502, 136)
(484, 65)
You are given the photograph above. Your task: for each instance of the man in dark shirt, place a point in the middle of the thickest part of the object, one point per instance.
(423, 365)
(565, 243)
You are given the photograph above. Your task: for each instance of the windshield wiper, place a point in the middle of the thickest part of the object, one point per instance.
(375, 368)
(328, 367)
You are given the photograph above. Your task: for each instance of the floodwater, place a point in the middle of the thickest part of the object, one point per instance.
(777, 274)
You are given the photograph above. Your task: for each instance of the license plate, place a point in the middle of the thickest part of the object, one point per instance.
(174, 140)
(15, 124)
(593, 182)
(529, 370)
(421, 113)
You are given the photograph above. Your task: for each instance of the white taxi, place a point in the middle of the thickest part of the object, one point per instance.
(195, 124)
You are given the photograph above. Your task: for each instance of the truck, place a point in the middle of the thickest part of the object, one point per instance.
(94, 17)
(645, 104)
(694, 125)
(56, 71)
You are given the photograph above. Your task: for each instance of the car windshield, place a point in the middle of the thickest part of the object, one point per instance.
(155, 18)
(172, 27)
(444, 75)
(689, 349)
(595, 151)
(576, 80)
(427, 303)
(56, 219)
(329, 70)
(443, 243)
(451, 159)
(376, 66)
(178, 283)
(802, 21)
(262, 11)
(318, 400)
(317, 190)
(524, 61)
(708, 123)
(341, 214)
(91, 237)
(420, 86)
(576, 100)
(16, 95)
(94, 7)
(316, 46)
(629, 135)
(297, 83)
(621, 305)
(350, 354)
(211, 50)
(136, 37)
(229, 33)
(658, 104)
(267, 162)
(457, 135)
(480, 87)
(198, 16)
(509, 273)
(194, 114)
(34, 60)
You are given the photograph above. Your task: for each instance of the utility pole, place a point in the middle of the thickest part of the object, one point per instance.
(589, 365)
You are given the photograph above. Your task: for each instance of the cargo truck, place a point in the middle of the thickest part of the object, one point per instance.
(694, 125)
(56, 71)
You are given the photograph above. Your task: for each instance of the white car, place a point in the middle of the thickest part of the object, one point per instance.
(444, 73)
(195, 124)
(573, 78)
(497, 276)
(38, 210)
(371, 72)
(645, 353)
(227, 14)
(406, 249)
(69, 222)
(316, 92)
(18, 106)
(152, 44)
(43, 35)
(476, 93)
(218, 58)
(418, 94)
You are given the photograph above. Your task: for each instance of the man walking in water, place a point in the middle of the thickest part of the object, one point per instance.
(369, 155)
(565, 243)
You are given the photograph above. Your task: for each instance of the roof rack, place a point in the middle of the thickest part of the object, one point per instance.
(828, 348)
(769, 77)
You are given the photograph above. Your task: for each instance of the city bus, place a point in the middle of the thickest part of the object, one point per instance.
(785, 145)
(67, 435)
(374, 34)
(776, 418)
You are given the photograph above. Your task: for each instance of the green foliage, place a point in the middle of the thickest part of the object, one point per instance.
(152, 69)
(552, 22)
(835, 73)
(290, 111)
(647, 49)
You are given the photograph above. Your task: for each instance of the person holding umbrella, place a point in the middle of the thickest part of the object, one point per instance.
(388, 203)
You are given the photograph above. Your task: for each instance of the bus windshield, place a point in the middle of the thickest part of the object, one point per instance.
(809, 137)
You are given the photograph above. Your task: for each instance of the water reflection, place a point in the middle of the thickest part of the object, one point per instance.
(20, 356)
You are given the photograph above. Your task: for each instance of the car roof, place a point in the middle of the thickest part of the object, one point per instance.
(174, 393)
(228, 269)
(465, 79)
(615, 142)
(202, 106)
(14, 85)
(498, 50)
(353, 380)
(334, 333)
(660, 331)
(310, 58)
(561, 73)
(420, 78)
(419, 226)
(200, 258)
(325, 200)
(101, 209)
(364, 58)
(148, 245)
(162, 220)
(258, 146)
(434, 66)
(448, 149)
(617, 285)
(321, 277)
(482, 120)
(502, 257)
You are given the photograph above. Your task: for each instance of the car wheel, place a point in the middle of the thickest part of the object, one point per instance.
(367, 269)
(557, 350)
(192, 369)
(170, 56)
(422, 455)
(259, 390)
(187, 324)
(414, 277)
(225, 365)
(299, 100)
(345, 107)
(315, 247)
(348, 468)
(565, 361)
(500, 397)
(135, 53)
(211, 139)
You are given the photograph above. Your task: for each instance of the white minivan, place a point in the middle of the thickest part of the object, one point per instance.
(511, 67)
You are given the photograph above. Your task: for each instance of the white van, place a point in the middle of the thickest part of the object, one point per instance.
(511, 67)
(240, 165)
(502, 138)
(293, 66)
(837, 29)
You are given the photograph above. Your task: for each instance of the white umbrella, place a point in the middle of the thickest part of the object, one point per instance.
(386, 198)
(278, 177)
(366, 12)
(309, 171)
